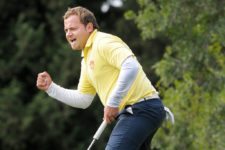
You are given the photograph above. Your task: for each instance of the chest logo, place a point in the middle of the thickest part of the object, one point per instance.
(92, 64)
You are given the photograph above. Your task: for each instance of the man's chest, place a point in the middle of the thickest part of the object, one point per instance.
(98, 68)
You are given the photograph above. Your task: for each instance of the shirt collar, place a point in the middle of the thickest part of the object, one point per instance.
(89, 43)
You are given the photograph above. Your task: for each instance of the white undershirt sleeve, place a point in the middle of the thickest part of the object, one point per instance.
(70, 97)
(128, 73)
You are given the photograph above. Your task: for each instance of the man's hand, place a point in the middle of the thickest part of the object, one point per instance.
(110, 113)
(43, 81)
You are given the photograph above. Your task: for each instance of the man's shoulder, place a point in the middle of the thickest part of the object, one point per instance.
(104, 35)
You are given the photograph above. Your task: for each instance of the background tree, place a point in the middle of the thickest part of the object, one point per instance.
(192, 70)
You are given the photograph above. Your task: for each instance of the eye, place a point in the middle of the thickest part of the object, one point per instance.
(73, 29)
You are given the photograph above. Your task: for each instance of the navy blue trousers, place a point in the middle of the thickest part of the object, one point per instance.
(135, 128)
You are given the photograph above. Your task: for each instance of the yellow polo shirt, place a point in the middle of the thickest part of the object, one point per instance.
(100, 67)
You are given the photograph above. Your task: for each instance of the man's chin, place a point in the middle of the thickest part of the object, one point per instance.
(75, 48)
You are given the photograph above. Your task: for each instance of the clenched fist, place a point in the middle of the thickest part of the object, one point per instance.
(43, 81)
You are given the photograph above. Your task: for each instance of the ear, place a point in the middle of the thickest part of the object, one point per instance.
(89, 27)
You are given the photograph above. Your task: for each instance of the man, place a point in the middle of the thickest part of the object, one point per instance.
(109, 69)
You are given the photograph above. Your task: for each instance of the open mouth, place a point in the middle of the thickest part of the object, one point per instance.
(73, 40)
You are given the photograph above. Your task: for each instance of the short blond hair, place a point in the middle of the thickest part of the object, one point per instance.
(85, 15)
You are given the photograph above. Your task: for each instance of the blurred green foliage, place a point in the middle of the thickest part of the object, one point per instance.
(192, 70)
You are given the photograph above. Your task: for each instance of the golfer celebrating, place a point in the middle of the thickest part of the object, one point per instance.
(109, 68)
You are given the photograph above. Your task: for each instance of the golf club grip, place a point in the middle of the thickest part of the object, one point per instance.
(100, 130)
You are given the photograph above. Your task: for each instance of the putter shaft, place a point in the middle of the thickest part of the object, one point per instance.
(92, 143)
(98, 133)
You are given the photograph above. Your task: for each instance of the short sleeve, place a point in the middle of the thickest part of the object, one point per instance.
(84, 85)
(114, 50)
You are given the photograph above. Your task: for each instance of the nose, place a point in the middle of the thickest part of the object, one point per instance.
(68, 33)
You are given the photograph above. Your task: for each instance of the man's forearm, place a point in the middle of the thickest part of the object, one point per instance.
(128, 73)
(70, 97)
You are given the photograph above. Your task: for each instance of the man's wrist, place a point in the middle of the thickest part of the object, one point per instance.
(51, 87)
(112, 105)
